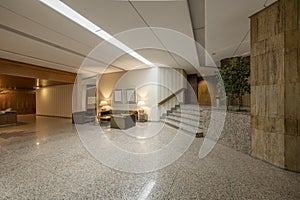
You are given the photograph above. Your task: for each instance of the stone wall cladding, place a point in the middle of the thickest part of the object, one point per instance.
(275, 84)
(236, 133)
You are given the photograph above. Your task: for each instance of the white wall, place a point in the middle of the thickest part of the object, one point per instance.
(171, 80)
(79, 92)
(145, 82)
(54, 101)
(152, 85)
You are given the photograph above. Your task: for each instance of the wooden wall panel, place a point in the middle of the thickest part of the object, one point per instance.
(14, 68)
(21, 101)
(204, 98)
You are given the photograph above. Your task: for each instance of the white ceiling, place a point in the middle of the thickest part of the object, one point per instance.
(33, 33)
(227, 24)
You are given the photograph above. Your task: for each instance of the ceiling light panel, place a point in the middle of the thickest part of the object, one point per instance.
(68, 12)
(71, 14)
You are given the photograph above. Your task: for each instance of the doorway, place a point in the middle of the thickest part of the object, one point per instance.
(204, 98)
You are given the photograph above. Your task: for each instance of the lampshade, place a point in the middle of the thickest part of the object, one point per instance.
(103, 103)
(141, 103)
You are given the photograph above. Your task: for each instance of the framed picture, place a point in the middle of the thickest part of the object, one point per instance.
(91, 100)
(118, 96)
(130, 96)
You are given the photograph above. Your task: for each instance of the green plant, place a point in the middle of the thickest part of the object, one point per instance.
(235, 75)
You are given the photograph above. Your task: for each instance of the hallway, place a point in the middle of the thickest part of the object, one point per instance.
(44, 158)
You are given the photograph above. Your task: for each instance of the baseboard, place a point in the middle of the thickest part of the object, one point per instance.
(54, 116)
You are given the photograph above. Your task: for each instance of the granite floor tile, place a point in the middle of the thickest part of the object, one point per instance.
(115, 185)
(30, 181)
(44, 158)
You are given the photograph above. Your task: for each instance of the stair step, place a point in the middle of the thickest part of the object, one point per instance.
(184, 120)
(191, 112)
(184, 126)
(189, 128)
(190, 106)
(187, 116)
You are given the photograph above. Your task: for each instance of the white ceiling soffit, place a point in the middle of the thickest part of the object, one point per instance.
(36, 21)
(172, 15)
(129, 22)
(11, 42)
(167, 14)
(197, 10)
(113, 16)
(227, 26)
(33, 18)
(128, 63)
(159, 56)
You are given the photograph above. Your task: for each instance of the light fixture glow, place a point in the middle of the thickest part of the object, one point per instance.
(68, 12)
(141, 103)
(103, 34)
(141, 58)
(103, 103)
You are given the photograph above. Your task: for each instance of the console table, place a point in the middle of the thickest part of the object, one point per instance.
(105, 120)
(142, 117)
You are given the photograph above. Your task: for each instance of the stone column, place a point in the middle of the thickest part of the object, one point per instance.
(275, 84)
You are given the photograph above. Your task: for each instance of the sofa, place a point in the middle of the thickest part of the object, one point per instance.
(83, 117)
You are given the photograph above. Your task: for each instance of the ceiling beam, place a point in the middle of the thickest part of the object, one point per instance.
(40, 40)
(15, 68)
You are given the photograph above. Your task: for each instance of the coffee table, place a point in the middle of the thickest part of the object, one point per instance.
(122, 121)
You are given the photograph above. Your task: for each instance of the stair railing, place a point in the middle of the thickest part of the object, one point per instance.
(171, 96)
(170, 102)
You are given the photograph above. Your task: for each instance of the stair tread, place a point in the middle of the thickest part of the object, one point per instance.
(187, 116)
(184, 126)
(181, 119)
(185, 120)
(188, 110)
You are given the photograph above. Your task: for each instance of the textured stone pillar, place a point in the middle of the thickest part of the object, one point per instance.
(275, 84)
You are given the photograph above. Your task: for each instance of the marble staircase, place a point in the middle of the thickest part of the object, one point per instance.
(186, 117)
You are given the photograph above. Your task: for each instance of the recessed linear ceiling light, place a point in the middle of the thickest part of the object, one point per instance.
(68, 12)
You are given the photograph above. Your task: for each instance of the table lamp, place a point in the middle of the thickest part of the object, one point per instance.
(103, 105)
(140, 104)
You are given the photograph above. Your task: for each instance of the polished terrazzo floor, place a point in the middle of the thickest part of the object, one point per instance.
(44, 158)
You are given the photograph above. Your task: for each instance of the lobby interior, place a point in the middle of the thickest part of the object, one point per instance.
(122, 100)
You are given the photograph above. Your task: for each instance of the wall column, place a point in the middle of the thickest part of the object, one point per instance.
(275, 84)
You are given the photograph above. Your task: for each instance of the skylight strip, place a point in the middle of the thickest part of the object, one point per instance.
(103, 34)
(68, 12)
(141, 58)
(109, 38)
(71, 14)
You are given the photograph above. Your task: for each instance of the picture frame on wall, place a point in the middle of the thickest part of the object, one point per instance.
(117, 95)
(130, 96)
